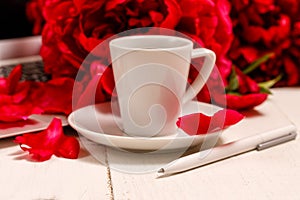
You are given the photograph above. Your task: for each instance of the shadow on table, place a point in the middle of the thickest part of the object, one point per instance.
(7, 142)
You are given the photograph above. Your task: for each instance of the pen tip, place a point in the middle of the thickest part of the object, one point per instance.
(161, 170)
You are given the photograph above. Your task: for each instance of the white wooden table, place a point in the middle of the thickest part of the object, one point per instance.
(270, 174)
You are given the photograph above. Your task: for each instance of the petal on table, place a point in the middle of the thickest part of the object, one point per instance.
(69, 148)
(41, 146)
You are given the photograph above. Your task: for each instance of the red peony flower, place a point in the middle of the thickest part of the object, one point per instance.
(73, 29)
(52, 141)
(198, 123)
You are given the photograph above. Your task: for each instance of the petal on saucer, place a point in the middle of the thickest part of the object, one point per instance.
(199, 123)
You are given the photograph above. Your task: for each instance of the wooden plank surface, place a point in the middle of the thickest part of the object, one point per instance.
(57, 178)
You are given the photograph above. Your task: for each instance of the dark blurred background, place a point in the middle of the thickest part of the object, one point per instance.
(13, 21)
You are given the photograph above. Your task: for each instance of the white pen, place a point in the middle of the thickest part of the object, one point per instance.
(259, 142)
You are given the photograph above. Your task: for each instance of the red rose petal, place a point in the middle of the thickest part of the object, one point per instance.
(198, 123)
(41, 146)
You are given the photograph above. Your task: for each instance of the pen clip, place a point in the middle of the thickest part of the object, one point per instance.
(276, 141)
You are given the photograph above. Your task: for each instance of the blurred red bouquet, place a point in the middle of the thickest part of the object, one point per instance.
(71, 30)
(261, 27)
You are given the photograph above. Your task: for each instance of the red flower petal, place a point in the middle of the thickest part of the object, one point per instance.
(227, 117)
(69, 148)
(13, 113)
(3, 85)
(13, 79)
(43, 145)
(39, 154)
(17, 124)
(198, 123)
(45, 140)
(21, 92)
(11, 90)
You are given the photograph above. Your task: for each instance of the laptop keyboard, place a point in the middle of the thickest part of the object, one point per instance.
(32, 70)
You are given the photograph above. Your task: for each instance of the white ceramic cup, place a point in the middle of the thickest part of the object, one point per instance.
(151, 74)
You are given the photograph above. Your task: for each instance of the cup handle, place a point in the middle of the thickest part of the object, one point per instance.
(204, 73)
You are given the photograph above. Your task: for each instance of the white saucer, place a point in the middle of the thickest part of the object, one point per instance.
(97, 123)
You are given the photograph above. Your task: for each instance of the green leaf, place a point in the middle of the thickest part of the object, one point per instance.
(265, 90)
(233, 81)
(265, 86)
(270, 83)
(258, 62)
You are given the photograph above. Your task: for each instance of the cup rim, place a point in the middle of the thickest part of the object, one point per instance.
(116, 42)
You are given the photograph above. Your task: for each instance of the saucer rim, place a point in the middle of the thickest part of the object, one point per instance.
(126, 137)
